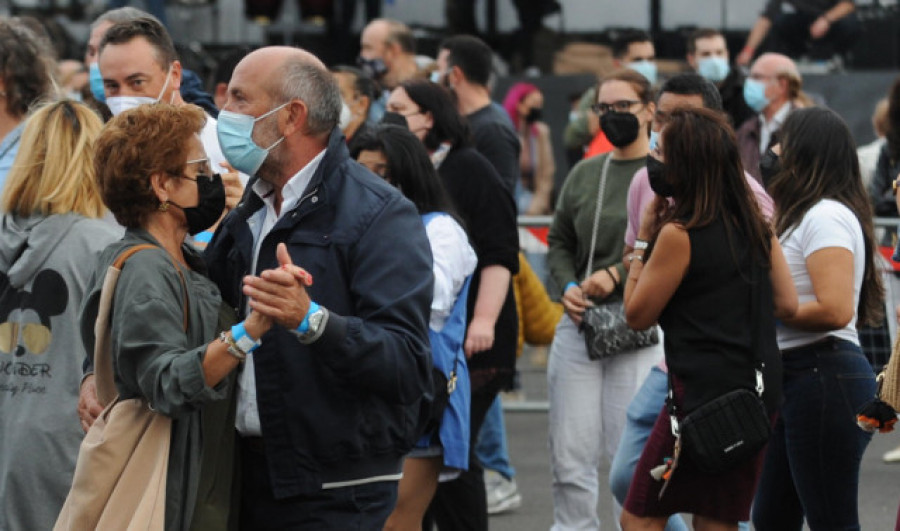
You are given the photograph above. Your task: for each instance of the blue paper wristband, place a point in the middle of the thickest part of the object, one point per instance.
(238, 331)
(304, 324)
(569, 285)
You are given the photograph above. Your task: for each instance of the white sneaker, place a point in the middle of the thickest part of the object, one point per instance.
(890, 457)
(502, 494)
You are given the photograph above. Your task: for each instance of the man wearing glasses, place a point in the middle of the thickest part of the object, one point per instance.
(772, 90)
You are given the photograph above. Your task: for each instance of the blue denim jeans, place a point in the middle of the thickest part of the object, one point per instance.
(812, 463)
(491, 448)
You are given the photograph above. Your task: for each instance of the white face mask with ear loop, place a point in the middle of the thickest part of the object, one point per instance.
(346, 116)
(119, 104)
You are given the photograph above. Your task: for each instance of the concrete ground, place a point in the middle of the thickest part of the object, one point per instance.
(879, 492)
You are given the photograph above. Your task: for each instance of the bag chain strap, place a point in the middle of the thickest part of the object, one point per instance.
(600, 191)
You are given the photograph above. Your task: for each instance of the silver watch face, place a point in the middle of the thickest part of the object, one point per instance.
(315, 320)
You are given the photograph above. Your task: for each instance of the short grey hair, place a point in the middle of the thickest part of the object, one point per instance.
(317, 88)
(121, 14)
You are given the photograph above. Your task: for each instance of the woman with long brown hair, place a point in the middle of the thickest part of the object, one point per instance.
(710, 258)
(824, 221)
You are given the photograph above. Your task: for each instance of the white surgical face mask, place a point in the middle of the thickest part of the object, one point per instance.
(346, 116)
(120, 104)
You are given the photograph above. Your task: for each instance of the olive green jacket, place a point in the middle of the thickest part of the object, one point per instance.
(569, 239)
(155, 358)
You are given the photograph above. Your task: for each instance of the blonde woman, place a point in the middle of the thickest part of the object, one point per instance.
(49, 242)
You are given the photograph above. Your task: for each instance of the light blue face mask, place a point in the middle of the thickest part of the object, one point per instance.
(755, 94)
(96, 82)
(654, 140)
(235, 132)
(644, 68)
(714, 69)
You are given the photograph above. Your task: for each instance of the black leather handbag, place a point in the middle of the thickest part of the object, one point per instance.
(727, 431)
(722, 434)
(605, 331)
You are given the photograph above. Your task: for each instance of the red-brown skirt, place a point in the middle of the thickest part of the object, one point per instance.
(726, 497)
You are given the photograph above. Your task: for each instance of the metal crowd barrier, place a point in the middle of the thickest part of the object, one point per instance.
(544, 221)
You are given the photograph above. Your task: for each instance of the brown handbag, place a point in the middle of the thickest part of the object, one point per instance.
(120, 476)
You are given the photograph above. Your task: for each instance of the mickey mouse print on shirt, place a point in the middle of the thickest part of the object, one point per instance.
(25, 327)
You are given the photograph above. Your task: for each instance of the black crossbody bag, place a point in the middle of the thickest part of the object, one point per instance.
(731, 429)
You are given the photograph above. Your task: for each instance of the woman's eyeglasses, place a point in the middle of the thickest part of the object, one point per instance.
(617, 106)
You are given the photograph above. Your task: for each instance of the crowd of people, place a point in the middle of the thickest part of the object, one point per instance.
(330, 293)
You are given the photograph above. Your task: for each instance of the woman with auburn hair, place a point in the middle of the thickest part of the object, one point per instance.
(588, 397)
(824, 220)
(168, 345)
(49, 242)
(713, 275)
(524, 103)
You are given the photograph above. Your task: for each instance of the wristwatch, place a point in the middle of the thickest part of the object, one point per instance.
(315, 322)
(246, 344)
(239, 343)
(641, 245)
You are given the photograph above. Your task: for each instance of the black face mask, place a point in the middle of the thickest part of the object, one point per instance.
(656, 175)
(769, 166)
(621, 128)
(534, 115)
(375, 68)
(210, 204)
(394, 118)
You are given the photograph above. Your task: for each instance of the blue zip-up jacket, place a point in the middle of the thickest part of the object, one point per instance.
(349, 405)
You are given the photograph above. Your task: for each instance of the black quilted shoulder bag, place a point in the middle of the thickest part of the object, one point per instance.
(724, 433)
(605, 331)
